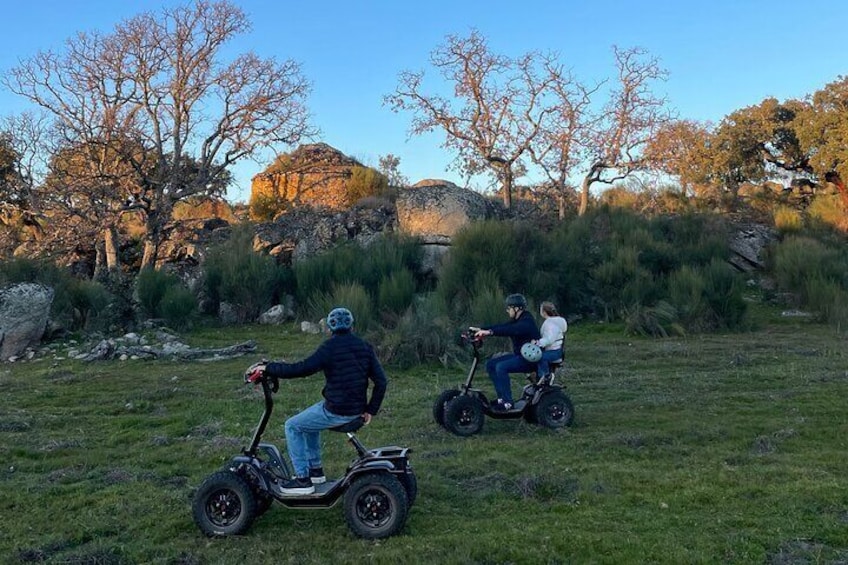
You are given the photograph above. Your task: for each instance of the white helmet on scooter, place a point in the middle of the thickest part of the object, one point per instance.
(531, 352)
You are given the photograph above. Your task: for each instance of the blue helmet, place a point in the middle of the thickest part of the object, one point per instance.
(339, 319)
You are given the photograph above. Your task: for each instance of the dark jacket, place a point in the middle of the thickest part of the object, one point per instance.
(520, 331)
(348, 362)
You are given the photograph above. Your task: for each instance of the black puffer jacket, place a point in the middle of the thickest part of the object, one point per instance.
(520, 331)
(348, 363)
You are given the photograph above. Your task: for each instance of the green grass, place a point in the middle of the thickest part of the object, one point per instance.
(722, 448)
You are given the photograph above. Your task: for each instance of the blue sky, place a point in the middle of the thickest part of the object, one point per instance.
(721, 55)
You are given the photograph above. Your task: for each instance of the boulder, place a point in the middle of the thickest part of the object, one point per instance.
(24, 311)
(314, 174)
(748, 244)
(304, 232)
(279, 314)
(434, 210)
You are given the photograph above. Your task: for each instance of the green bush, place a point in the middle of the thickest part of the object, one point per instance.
(151, 287)
(248, 280)
(395, 293)
(487, 301)
(723, 293)
(513, 253)
(178, 307)
(622, 283)
(828, 299)
(352, 296)
(351, 263)
(93, 305)
(424, 334)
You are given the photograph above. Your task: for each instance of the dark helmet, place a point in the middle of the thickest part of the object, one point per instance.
(516, 300)
(339, 319)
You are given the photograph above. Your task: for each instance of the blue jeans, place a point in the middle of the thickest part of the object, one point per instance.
(303, 435)
(499, 369)
(545, 361)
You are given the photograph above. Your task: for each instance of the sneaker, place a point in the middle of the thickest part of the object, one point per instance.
(300, 485)
(317, 477)
(501, 406)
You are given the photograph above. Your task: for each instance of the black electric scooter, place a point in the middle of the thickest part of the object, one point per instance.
(379, 486)
(461, 410)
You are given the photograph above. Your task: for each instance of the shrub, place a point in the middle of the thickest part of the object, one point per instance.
(352, 296)
(487, 301)
(423, 334)
(92, 306)
(365, 182)
(621, 282)
(248, 280)
(723, 293)
(512, 253)
(686, 288)
(178, 307)
(828, 299)
(151, 287)
(396, 292)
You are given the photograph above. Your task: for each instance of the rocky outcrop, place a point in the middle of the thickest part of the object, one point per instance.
(304, 232)
(314, 175)
(748, 245)
(24, 311)
(434, 210)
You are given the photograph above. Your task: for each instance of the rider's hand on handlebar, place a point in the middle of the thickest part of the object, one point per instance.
(482, 333)
(255, 372)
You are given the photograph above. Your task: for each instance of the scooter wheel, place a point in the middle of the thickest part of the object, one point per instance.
(554, 410)
(375, 506)
(464, 416)
(441, 402)
(224, 505)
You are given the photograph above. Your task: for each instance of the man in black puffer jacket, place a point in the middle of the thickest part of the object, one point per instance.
(521, 328)
(348, 363)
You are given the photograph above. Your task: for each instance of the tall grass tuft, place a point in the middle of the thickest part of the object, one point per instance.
(424, 334)
(787, 219)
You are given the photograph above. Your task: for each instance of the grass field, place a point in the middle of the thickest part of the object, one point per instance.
(706, 449)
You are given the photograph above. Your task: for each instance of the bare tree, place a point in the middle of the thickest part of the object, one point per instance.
(558, 148)
(616, 138)
(496, 110)
(157, 98)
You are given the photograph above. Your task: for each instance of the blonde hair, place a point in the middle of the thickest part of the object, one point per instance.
(549, 309)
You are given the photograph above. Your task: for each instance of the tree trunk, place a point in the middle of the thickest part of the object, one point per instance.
(99, 258)
(110, 241)
(151, 248)
(584, 194)
(507, 188)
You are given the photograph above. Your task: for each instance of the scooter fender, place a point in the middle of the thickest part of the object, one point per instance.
(255, 467)
(543, 391)
(364, 467)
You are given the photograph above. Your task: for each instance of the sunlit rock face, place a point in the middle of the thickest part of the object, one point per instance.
(434, 210)
(316, 175)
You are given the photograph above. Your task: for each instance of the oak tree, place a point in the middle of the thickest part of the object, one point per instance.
(161, 82)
